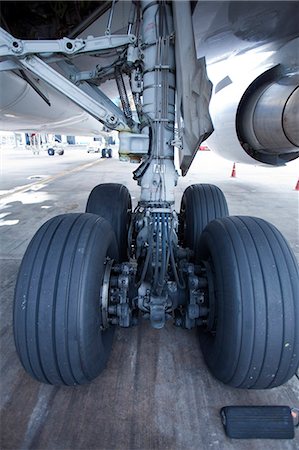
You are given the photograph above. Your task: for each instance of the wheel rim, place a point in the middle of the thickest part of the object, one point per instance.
(104, 295)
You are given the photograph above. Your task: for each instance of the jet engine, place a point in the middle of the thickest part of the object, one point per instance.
(255, 107)
(268, 116)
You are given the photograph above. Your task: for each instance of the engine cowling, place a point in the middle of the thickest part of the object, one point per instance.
(256, 120)
(267, 119)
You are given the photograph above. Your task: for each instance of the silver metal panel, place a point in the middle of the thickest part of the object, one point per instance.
(193, 88)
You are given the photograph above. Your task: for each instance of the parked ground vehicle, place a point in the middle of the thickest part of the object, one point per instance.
(106, 152)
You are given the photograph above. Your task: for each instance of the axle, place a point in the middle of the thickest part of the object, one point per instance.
(160, 282)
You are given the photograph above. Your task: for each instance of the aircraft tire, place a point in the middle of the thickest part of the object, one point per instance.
(51, 151)
(255, 340)
(201, 203)
(113, 202)
(56, 307)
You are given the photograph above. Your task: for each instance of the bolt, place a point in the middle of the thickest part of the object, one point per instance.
(17, 46)
(112, 119)
(178, 322)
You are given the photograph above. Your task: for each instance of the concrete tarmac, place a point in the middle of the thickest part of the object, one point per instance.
(155, 392)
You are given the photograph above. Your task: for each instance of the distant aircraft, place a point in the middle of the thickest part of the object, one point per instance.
(64, 65)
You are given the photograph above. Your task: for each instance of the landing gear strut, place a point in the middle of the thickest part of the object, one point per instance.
(235, 278)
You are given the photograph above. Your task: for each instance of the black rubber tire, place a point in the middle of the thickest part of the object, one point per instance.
(51, 151)
(113, 202)
(201, 203)
(56, 307)
(60, 152)
(255, 344)
(104, 152)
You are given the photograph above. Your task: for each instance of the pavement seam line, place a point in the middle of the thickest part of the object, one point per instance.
(49, 179)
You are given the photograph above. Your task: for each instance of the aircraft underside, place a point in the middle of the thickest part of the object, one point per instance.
(235, 278)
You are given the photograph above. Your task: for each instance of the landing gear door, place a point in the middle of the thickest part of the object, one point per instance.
(194, 89)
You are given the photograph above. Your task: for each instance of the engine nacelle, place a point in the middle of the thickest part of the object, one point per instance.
(267, 119)
(256, 116)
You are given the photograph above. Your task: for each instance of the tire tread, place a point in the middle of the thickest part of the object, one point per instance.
(258, 277)
(201, 203)
(50, 331)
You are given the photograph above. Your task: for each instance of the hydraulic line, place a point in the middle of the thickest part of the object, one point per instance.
(123, 96)
(131, 17)
(146, 261)
(138, 105)
(140, 171)
(108, 30)
(164, 221)
(156, 261)
(181, 284)
(162, 243)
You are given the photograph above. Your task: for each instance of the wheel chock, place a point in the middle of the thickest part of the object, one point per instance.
(259, 422)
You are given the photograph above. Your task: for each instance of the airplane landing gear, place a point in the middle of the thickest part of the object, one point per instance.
(233, 277)
(241, 290)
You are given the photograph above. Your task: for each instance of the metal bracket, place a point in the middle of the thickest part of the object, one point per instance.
(196, 311)
(72, 72)
(158, 307)
(98, 108)
(120, 308)
(10, 46)
(177, 143)
(87, 97)
(86, 75)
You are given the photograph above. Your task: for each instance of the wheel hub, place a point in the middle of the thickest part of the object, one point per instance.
(123, 299)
